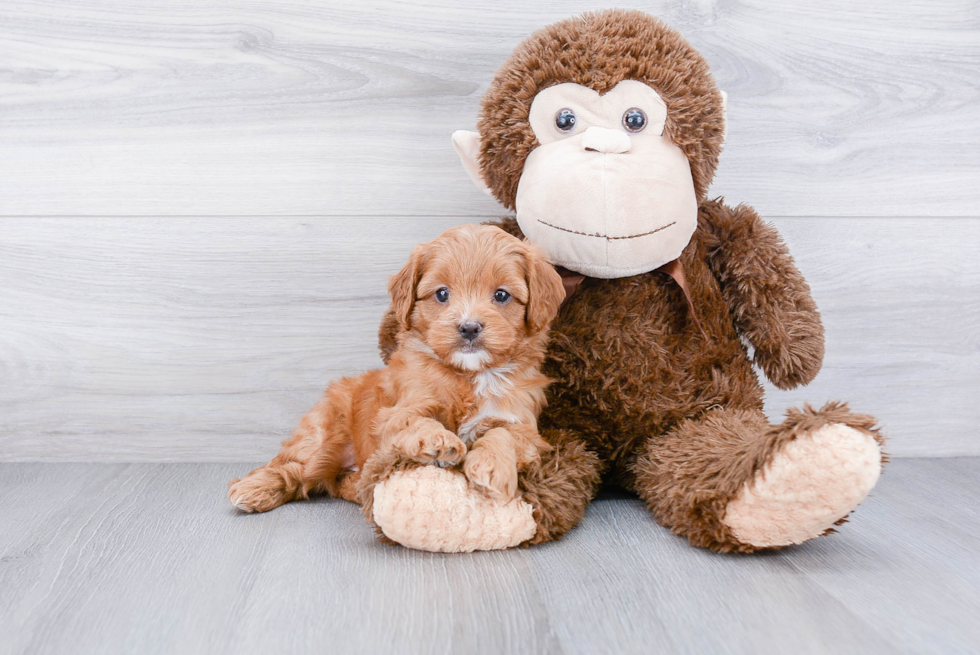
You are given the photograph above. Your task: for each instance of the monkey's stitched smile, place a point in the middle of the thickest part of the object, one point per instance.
(606, 236)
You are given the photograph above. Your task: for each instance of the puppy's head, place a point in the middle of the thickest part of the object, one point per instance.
(476, 296)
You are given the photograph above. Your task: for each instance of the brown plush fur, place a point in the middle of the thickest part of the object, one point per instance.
(600, 50)
(442, 390)
(671, 413)
(688, 476)
(560, 486)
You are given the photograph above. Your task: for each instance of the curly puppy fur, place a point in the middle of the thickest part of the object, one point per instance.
(464, 387)
(670, 413)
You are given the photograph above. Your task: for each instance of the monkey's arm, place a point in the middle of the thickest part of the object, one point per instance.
(766, 294)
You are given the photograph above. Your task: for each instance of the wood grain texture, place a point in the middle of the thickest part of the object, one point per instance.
(123, 108)
(190, 330)
(152, 559)
(900, 300)
(206, 339)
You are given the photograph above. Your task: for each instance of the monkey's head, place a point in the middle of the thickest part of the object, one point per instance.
(603, 133)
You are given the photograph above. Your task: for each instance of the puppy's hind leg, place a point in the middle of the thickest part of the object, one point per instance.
(309, 461)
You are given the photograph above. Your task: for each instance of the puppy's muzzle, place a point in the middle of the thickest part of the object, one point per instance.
(470, 330)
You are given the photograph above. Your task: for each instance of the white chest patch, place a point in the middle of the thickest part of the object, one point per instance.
(489, 385)
(467, 431)
(494, 382)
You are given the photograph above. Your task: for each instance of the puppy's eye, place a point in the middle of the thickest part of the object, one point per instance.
(442, 295)
(634, 120)
(501, 296)
(565, 120)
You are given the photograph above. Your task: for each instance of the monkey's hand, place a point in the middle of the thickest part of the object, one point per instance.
(766, 294)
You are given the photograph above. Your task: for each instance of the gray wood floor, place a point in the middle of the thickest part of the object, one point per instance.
(148, 558)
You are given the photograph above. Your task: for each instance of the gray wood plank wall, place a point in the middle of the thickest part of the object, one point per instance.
(200, 202)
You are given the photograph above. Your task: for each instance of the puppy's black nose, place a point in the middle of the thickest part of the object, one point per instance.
(470, 330)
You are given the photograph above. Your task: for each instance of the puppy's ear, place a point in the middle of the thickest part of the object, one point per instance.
(401, 288)
(545, 290)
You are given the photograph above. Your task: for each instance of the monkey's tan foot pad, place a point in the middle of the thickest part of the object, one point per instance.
(435, 509)
(815, 481)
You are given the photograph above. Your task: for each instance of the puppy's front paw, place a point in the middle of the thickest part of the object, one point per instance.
(492, 470)
(259, 491)
(439, 446)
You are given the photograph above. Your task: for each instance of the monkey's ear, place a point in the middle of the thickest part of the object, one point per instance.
(401, 288)
(467, 145)
(724, 116)
(544, 289)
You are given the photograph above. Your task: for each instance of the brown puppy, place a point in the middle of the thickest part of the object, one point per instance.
(464, 386)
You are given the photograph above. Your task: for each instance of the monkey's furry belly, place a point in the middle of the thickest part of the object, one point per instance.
(630, 363)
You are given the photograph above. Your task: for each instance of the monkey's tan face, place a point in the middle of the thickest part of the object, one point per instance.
(605, 193)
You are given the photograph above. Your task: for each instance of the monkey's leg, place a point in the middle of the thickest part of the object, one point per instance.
(730, 481)
(561, 485)
(437, 509)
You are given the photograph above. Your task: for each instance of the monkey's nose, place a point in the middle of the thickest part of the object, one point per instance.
(470, 330)
(601, 139)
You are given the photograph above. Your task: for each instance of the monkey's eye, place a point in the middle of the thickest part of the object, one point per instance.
(501, 296)
(565, 120)
(442, 295)
(634, 120)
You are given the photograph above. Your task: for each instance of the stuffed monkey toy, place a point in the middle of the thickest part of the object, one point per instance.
(602, 134)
